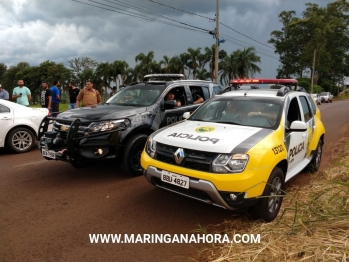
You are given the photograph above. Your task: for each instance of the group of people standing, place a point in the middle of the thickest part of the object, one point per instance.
(50, 98)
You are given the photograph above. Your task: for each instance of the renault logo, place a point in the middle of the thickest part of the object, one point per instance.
(179, 155)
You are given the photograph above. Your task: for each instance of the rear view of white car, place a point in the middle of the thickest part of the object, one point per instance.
(316, 98)
(326, 97)
(19, 126)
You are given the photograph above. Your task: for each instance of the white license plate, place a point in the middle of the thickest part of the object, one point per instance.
(175, 179)
(49, 153)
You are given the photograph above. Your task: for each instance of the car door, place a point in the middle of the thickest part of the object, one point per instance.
(6, 122)
(171, 116)
(295, 141)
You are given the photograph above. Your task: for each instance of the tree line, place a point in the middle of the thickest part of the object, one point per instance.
(193, 64)
(315, 44)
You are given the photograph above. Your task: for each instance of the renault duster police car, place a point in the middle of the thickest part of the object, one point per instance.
(120, 127)
(238, 149)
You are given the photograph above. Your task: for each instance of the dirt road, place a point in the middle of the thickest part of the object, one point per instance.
(48, 209)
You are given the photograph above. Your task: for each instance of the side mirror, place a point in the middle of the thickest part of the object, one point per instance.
(298, 126)
(170, 104)
(186, 115)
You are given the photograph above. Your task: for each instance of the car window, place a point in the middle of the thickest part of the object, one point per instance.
(306, 109)
(4, 109)
(217, 90)
(197, 92)
(293, 113)
(178, 95)
(206, 92)
(312, 104)
(257, 112)
(137, 95)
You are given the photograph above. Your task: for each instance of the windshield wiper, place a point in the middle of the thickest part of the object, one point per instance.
(231, 123)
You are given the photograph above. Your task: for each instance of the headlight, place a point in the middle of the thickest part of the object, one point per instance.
(108, 125)
(150, 147)
(224, 163)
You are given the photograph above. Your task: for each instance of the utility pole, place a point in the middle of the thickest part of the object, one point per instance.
(312, 76)
(217, 43)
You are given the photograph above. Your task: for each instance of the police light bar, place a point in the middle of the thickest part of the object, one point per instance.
(264, 81)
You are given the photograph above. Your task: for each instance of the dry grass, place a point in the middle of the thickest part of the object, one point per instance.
(313, 224)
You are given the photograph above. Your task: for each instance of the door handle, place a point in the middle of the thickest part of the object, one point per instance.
(6, 118)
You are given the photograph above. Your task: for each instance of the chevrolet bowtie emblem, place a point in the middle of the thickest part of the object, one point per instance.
(64, 128)
(179, 155)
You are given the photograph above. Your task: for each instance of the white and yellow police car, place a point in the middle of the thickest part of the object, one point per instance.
(238, 149)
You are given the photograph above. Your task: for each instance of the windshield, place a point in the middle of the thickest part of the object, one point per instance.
(323, 94)
(246, 111)
(138, 95)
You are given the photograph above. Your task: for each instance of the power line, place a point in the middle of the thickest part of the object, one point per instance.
(182, 10)
(246, 36)
(138, 16)
(211, 20)
(244, 44)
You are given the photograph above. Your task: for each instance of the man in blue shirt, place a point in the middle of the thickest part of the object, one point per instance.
(4, 94)
(56, 97)
(22, 93)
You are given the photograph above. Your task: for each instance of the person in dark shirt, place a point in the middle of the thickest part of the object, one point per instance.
(73, 93)
(46, 96)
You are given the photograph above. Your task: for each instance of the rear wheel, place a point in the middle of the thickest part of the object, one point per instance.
(131, 160)
(269, 205)
(20, 140)
(314, 164)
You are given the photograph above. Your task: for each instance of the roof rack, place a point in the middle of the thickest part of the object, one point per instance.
(283, 91)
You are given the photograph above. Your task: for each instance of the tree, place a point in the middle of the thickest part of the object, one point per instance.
(210, 58)
(166, 63)
(228, 68)
(79, 64)
(321, 33)
(3, 69)
(202, 74)
(193, 61)
(246, 62)
(145, 66)
(103, 72)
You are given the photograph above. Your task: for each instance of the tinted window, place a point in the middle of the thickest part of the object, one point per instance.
(206, 92)
(4, 109)
(306, 110)
(217, 90)
(137, 95)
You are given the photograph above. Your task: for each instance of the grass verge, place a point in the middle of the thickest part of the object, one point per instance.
(313, 224)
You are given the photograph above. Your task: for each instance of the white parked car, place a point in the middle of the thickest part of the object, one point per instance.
(316, 98)
(19, 126)
(326, 97)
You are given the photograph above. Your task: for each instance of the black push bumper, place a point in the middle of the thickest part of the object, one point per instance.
(71, 141)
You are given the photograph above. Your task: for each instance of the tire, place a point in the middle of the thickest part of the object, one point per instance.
(314, 164)
(131, 160)
(330, 101)
(20, 140)
(274, 186)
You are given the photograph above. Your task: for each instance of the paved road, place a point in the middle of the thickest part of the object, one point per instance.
(48, 208)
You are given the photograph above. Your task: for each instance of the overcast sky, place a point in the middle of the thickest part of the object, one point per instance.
(34, 31)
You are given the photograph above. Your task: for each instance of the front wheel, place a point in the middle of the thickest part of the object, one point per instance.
(131, 160)
(269, 204)
(20, 140)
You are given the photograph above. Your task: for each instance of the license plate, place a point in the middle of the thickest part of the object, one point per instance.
(175, 179)
(49, 153)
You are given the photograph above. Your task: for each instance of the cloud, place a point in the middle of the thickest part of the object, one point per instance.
(59, 30)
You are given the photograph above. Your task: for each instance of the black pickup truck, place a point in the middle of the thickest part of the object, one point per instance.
(119, 128)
